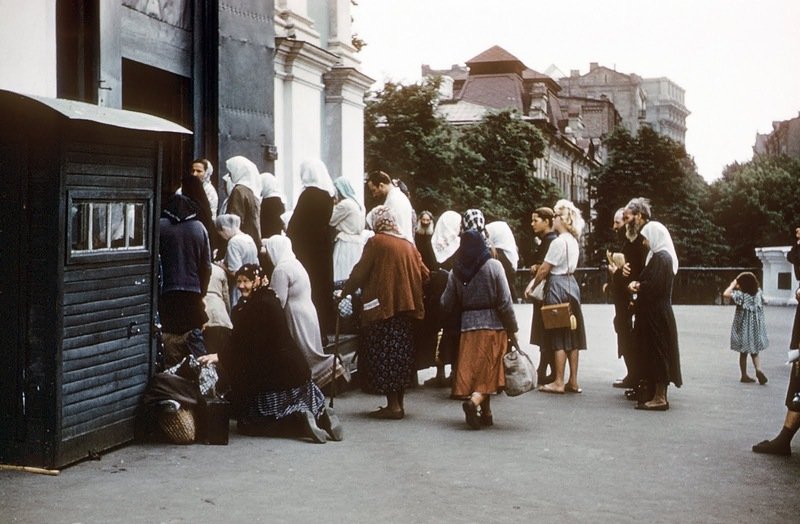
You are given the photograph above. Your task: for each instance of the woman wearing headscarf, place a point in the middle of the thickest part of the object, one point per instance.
(308, 229)
(347, 220)
(473, 220)
(202, 169)
(444, 243)
(192, 188)
(655, 330)
(502, 239)
(390, 275)
(477, 286)
(561, 287)
(240, 249)
(273, 205)
(291, 285)
(245, 196)
(268, 376)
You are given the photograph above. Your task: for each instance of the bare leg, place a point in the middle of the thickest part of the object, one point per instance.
(393, 401)
(659, 397)
(572, 358)
(743, 368)
(560, 361)
(762, 378)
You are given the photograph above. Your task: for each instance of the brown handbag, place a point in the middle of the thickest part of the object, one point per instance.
(557, 316)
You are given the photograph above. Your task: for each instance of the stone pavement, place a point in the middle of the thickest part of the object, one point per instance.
(569, 458)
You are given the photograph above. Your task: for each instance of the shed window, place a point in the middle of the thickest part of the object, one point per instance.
(105, 226)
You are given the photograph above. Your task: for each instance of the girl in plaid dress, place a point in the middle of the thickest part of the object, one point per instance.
(749, 330)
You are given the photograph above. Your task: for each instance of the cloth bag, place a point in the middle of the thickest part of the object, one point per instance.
(519, 371)
(558, 316)
(536, 293)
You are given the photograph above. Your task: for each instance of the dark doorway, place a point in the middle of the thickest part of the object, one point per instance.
(77, 48)
(161, 93)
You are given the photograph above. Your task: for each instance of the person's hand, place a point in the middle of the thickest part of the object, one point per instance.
(626, 269)
(534, 269)
(633, 287)
(206, 360)
(337, 294)
(605, 288)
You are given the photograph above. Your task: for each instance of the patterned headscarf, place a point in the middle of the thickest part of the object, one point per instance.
(473, 220)
(383, 221)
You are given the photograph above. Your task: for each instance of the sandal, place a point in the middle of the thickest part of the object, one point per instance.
(385, 413)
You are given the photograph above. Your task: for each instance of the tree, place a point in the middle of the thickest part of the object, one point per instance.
(757, 203)
(656, 167)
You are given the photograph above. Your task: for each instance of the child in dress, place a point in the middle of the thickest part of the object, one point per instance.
(749, 330)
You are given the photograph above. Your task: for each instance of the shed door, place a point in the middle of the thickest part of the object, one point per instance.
(12, 215)
(108, 293)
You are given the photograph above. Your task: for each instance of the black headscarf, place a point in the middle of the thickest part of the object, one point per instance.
(179, 208)
(192, 187)
(472, 254)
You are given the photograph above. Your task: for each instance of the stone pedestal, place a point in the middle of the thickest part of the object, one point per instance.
(778, 282)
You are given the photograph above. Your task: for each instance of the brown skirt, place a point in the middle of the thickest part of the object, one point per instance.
(480, 362)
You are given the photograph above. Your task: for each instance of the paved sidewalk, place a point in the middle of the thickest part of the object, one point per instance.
(565, 458)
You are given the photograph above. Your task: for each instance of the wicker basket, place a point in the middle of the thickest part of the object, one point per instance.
(178, 426)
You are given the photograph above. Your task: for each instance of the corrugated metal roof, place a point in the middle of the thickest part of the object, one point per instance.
(103, 115)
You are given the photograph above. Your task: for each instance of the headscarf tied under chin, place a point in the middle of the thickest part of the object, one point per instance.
(659, 239)
(383, 221)
(472, 254)
(313, 173)
(445, 239)
(244, 173)
(279, 249)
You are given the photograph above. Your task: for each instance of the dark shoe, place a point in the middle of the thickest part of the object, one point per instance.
(659, 407)
(771, 447)
(331, 424)
(623, 383)
(631, 394)
(435, 382)
(747, 380)
(312, 430)
(471, 414)
(387, 414)
(762, 378)
(486, 420)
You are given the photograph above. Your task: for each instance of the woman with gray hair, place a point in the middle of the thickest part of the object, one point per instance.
(241, 249)
(561, 287)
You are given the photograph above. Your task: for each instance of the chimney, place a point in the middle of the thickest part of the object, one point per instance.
(574, 73)
(592, 66)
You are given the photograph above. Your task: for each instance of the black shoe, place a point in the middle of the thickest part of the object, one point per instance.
(331, 424)
(471, 414)
(631, 394)
(762, 378)
(623, 383)
(486, 420)
(772, 447)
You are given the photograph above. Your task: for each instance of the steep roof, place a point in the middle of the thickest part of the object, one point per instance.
(500, 91)
(493, 54)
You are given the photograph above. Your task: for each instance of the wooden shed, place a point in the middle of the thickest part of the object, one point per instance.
(79, 204)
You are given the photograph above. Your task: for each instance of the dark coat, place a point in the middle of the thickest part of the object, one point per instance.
(655, 329)
(271, 222)
(262, 355)
(793, 256)
(312, 244)
(635, 253)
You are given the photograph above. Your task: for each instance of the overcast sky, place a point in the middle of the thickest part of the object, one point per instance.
(739, 61)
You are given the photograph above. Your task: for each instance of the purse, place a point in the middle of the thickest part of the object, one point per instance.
(519, 371)
(557, 316)
(536, 293)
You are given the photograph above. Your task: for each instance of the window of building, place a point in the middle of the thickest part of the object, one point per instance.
(101, 227)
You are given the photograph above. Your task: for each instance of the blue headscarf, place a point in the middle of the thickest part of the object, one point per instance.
(472, 254)
(345, 190)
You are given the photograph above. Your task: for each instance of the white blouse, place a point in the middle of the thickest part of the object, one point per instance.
(563, 254)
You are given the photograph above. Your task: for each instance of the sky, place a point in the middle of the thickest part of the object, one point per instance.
(738, 61)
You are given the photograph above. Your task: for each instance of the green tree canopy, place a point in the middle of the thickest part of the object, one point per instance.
(653, 166)
(757, 203)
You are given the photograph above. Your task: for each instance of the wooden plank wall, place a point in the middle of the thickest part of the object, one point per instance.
(104, 370)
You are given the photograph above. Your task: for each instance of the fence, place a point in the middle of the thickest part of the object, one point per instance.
(692, 285)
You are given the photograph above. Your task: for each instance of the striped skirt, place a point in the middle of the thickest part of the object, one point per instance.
(280, 404)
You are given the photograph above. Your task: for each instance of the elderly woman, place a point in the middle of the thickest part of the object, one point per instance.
(241, 249)
(348, 221)
(655, 330)
(390, 275)
(477, 286)
(268, 376)
(502, 240)
(291, 285)
(273, 205)
(244, 199)
(309, 231)
(561, 287)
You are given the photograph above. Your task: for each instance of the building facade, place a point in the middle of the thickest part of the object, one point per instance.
(784, 139)
(666, 109)
(497, 80)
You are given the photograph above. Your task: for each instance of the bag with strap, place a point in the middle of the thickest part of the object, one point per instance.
(557, 316)
(519, 371)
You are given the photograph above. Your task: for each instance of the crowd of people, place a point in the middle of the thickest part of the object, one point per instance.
(255, 291)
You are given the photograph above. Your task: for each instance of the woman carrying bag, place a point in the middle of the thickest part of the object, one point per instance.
(477, 285)
(562, 288)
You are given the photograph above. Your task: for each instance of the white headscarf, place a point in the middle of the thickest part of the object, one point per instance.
(279, 249)
(446, 236)
(313, 173)
(269, 187)
(659, 239)
(244, 173)
(502, 238)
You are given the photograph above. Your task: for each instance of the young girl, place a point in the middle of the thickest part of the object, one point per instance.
(749, 331)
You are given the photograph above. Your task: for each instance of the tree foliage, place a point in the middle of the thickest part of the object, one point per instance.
(488, 165)
(757, 203)
(654, 166)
